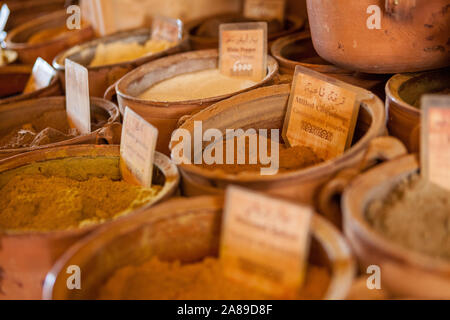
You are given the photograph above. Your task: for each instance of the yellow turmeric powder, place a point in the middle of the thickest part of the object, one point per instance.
(158, 280)
(65, 194)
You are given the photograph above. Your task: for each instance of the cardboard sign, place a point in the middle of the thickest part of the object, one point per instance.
(168, 29)
(265, 242)
(137, 149)
(41, 76)
(435, 148)
(77, 97)
(243, 50)
(265, 9)
(321, 114)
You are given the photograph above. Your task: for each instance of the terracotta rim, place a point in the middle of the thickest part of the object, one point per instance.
(110, 107)
(58, 62)
(338, 251)
(122, 84)
(283, 42)
(161, 161)
(59, 15)
(375, 109)
(353, 211)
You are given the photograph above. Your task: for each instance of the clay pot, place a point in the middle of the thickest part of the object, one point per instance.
(404, 273)
(413, 35)
(25, 257)
(403, 93)
(16, 114)
(298, 50)
(187, 230)
(18, 38)
(101, 77)
(265, 108)
(13, 80)
(211, 40)
(26, 10)
(165, 115)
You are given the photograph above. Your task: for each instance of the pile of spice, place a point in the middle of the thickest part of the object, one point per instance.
(195, 85)
(117, 52)
(210, 28)
(47, 35)
(290, 158)
(416, 215)
(49, 127)
(27, 205)
(158, 280)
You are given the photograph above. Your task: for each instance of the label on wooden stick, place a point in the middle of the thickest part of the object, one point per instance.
(322, 114)
(435, 147)
(265, 242)
(168, 29)
(265, 9)
(137, 149)
(4, 16)
(77, 97)
(243, 50)
(41, 76)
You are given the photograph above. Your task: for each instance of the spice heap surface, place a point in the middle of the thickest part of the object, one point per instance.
(117, 52)
(47, 34)
(157, 280)
(195, 85)
(290, 158)
(415, 215)
(77, 197)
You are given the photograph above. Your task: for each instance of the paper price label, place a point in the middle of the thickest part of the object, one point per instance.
(41, 76)
(168, 29)
(265, 242)
(322, 114)
(243, 50)
(435, 149)
(265, 9)
(4, 16)
(137, 149)
(77, 97)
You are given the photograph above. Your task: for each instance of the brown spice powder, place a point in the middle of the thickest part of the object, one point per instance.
(293, 158)
(416, 215)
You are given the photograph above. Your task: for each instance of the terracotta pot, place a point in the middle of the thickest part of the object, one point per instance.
(101, 77)
(380, 150)
(26, 10)
(199, 42)
(13, 80)
(16, 114)
(404, 273)
(165, 115)
(25, 257)
(298, 50)
(186, 230)
(28, 52)
(403, 94)
(8, 57)
(265, 108)
(413, 35)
